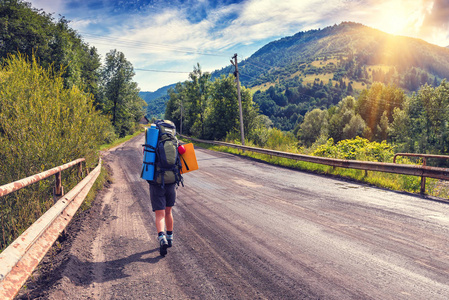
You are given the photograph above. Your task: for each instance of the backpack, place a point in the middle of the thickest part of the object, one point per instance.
(167, 163)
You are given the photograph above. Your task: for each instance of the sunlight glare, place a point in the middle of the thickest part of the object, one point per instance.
(395, 18)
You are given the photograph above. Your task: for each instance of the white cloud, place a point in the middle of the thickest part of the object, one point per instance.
(49, 6)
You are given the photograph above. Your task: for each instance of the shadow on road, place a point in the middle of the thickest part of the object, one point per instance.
(108, 270)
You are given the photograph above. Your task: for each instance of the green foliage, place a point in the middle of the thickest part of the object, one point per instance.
(421, 125)
(33, 32)
(358, 149)
(111, 144)
(376, 106)
(175, 109)
(344, 122)
(260, 133)
(278, 140)
(42, 125)
(223, 112)
(120, 94)
(286, 104)
(210, 110)
(384, 113)
(314, 126)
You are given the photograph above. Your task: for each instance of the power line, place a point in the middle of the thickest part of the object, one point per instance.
(144, 45)
(162, 71)
(257, 66)
(258, 63)
(248, 76)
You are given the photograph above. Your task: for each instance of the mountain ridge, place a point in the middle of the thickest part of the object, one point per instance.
(368, 46)
(317, 68)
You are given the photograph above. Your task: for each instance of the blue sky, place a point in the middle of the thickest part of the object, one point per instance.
(173, 36)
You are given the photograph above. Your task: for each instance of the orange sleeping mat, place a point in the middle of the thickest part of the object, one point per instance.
(189, 158)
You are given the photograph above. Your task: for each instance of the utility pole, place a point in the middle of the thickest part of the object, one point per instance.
(236, 73)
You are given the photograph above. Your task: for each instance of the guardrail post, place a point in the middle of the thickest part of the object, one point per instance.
(59, 189)
(423, 179)
(80, 170)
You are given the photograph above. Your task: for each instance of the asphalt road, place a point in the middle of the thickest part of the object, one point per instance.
(248, 230)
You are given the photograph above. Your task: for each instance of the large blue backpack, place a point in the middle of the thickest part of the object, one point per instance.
(167, 163)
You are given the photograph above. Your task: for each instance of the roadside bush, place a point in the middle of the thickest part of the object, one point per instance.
(42, 125)
(270, 138)
(358, 148)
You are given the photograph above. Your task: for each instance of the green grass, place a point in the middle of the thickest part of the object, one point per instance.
(396, 182)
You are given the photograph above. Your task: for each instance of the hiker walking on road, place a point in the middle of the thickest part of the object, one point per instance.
(162, 201)
(167, 177)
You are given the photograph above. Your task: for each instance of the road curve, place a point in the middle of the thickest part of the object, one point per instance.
(248, 230)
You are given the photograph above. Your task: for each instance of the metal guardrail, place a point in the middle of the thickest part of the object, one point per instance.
(58, 190)
(23, 255)
(414, 170)
(424, 163)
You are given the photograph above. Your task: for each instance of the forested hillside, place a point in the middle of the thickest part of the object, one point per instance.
(349, 50)
(156, 101)
(318, 68)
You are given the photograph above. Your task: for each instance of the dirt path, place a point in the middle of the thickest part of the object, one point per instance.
(247, 230)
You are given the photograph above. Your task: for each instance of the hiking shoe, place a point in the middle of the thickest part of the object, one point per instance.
(163, 245)
(170, 240)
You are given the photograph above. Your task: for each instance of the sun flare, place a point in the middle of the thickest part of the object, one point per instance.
(394, 20)
(400, 17)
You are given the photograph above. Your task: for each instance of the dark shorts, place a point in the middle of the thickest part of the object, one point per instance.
(162, 197)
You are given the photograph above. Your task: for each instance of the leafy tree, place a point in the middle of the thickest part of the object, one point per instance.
(382, 128)
(24, 30)
(175, 104)
(223, 113)
(197, 92)
(354, 128)
(344, 122)
(399, 129)
(313, 127)
(211, 109)
(120, 94)
(376, 101)
(32, 32)
(421, 126)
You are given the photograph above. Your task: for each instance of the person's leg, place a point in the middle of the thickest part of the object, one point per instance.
(157, 196)
(171, 199)
(169, 224)
(160, 220)
(169, 218)
(160, 226)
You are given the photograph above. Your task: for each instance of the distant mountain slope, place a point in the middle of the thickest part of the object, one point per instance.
(149, 96)
(361, 45)
(318, 68)
(156, 101)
